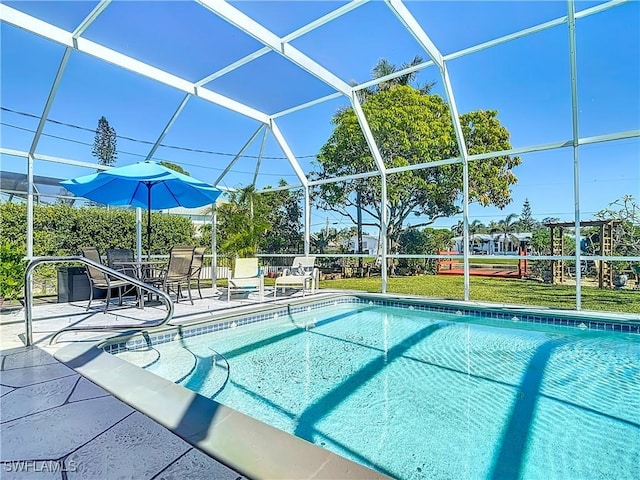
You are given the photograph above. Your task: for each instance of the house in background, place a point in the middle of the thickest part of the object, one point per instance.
(199, 216)
(494, 243)
(369, 244)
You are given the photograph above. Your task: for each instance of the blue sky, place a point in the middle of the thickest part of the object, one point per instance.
(527, 81)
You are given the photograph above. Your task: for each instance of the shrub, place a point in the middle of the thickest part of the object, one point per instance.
(61, 229)
(12, 269)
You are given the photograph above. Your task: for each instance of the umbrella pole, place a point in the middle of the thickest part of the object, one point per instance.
(148, 221)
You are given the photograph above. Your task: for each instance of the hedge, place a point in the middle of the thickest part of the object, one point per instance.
(60, 229)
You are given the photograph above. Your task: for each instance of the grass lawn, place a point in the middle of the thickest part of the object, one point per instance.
(494, 261)
(513, 291)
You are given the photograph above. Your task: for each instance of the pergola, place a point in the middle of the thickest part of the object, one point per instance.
(605, 229)
(74, 40)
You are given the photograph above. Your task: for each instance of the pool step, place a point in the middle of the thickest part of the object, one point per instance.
(141, 357)
(175, 363)
(210, 374)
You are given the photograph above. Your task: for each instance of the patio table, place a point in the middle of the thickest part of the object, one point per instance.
(145, 270)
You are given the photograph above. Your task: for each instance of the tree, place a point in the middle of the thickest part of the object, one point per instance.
(323, 239)
(412, 127)
(412, 241)
(477, 227)
(384, 68)
(527, 222)
(429, 241)
(626, 234)
(506, 226)
(242, 221)
(250, 222)
(283, 213)
(175, 167)
(458, 228)
(104, 144)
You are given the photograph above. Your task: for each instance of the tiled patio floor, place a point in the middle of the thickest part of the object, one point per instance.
(56, 424)
(52, 317)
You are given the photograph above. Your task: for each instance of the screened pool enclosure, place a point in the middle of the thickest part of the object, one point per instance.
(497, 122)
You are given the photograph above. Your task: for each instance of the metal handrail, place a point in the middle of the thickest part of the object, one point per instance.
(28, 296)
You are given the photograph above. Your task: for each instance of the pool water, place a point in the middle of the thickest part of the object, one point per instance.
(417, 394)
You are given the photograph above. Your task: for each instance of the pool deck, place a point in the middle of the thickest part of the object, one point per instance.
(52, 317)
(55, 423)
(54, 420)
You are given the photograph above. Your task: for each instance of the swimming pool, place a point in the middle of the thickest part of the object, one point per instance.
(416, 391)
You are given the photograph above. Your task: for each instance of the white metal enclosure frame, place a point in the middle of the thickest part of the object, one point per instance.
(74, 40)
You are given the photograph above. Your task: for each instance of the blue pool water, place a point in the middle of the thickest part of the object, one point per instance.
(417, 394)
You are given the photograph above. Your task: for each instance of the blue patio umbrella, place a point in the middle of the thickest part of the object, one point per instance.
(145, 184)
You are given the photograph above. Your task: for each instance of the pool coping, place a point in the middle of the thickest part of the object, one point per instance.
(246, 445)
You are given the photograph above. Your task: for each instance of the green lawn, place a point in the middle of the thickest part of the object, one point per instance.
(498, 290)
(513, 291)
(494, 261)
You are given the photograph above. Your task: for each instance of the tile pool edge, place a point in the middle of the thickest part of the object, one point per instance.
(246, 445)
(510, 314)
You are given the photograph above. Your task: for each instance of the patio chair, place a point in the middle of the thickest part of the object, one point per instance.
(122, 259)
(246, 277)
(196, 267)
(101, 280)
(177, 272)
(302, 274)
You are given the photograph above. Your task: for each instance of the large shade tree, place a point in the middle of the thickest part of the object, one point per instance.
(411, 126)
(284, 213)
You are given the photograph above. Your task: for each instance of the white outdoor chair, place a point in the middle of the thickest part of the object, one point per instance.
(302, 274)
(246, 277)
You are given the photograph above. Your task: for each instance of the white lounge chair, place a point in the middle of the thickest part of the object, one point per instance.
(245, 278)
(302, 274)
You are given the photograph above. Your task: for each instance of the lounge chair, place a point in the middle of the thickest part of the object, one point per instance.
(246, 277)
(302, 274)
(100, 280)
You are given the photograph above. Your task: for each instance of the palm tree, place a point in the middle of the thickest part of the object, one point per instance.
(243, 222)
(458, 228)
(384, 68)
(321, 240)
(476, 227)
(505, 227)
